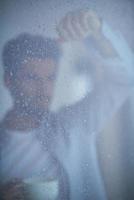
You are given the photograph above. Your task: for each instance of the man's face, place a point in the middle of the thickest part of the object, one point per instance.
(34, 83)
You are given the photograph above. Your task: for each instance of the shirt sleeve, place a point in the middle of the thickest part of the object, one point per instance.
(116, 83)
(121, 68)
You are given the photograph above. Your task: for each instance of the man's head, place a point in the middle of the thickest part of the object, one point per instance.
(30, 66)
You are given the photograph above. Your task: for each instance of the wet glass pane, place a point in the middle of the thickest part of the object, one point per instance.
(66, 103)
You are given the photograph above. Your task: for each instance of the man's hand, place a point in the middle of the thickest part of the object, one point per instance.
(78, 25)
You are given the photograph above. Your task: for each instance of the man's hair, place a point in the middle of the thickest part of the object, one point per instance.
(17, 51)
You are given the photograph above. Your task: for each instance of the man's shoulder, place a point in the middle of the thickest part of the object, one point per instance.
(70, 114)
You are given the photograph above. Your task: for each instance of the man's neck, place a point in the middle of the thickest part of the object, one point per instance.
(22, 121)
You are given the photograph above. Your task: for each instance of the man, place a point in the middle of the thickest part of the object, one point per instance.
(109, 63)
(30, 67)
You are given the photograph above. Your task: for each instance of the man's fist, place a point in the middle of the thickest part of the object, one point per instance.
(78, 25)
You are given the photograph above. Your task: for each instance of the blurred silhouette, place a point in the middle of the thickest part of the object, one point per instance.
(30, 67)
(104, 60)
(46, 136)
